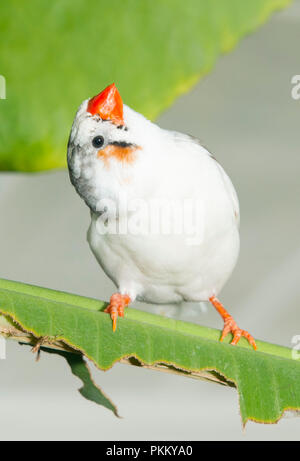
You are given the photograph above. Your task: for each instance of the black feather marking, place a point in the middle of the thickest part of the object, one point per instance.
(121, 144)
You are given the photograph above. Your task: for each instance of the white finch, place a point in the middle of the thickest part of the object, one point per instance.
(146, 187)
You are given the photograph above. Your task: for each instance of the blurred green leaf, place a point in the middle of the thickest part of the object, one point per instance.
(56, 54)
(267, 380)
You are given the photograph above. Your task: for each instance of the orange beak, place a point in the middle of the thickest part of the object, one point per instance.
(108, 105)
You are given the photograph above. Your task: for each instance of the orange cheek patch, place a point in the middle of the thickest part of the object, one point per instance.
(122, 154)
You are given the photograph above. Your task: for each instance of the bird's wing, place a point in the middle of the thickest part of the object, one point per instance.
(186, 138)
(189, 139)
(231, 193)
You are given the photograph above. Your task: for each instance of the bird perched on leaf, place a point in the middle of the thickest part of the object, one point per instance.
(125, 167)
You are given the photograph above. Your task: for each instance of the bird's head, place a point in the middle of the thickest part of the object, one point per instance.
(107, 140)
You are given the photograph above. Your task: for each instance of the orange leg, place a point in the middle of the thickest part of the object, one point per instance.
(116, 307)
(230, 325)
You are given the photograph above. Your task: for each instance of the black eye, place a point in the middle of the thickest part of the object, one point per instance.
(98, 141)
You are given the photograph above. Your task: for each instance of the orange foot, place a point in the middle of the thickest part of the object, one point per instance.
(230, 325)
(116, 307)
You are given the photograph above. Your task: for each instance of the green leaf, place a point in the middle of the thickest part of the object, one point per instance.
(267, 380)
(80, 369)
(56, 54)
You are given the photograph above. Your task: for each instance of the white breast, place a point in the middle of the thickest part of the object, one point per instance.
(165, 268)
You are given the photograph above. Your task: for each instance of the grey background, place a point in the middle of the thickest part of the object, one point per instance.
(243, 112)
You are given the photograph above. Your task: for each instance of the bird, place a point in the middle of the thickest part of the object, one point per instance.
(164, 214)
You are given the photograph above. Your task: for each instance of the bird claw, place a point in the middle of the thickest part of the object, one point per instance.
(116, 307)
(230, 326)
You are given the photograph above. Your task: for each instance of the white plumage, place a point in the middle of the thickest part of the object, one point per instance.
(140, 170)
